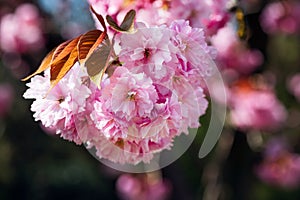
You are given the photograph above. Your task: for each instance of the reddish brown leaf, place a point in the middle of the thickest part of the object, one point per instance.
(88, 43)
(62, 58)
(44, 65)
(100, 18)
(64, 49)
(59, 69)
(57, 54)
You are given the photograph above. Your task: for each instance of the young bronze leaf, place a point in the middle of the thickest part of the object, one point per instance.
(65, 56)
(59, 69)
(126, 25)
(55, 55)
(98, 61)
(88, 43)
(64, 50)
(100, 18)
(44, 65)
(113, 24)
(128, 21)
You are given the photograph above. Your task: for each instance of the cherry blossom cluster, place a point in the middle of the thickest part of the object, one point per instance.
(152, 95)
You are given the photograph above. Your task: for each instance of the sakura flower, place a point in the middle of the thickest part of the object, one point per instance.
(56, 108)
(193, 49)
(192, 102)
(129, 94)
(149, 53)
(139, 118)
(129, 110)
(27, 19)
(280, 167)
(121, 149)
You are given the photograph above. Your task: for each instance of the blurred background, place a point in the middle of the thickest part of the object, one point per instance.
(257, 156)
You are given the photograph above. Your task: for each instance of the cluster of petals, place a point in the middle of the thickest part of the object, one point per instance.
(27, 19)
(155, 95)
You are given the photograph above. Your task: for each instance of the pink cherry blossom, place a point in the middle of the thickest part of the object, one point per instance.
(129, 94)
(193, 49)
(27, 19)
(56, 108)
(192, 102)
(129, 110)
(150, 53)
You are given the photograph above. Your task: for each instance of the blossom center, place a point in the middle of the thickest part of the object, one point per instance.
(131, 95)
(147, 53)
(60, 100)
(120, 143)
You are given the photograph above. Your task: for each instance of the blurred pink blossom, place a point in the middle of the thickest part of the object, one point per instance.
(293, 85)
(142, 187)
(6, 99)
(282, 16)
(21, 31)
(253, 108)
(280, 167)
(209, 14)
(233, 53)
